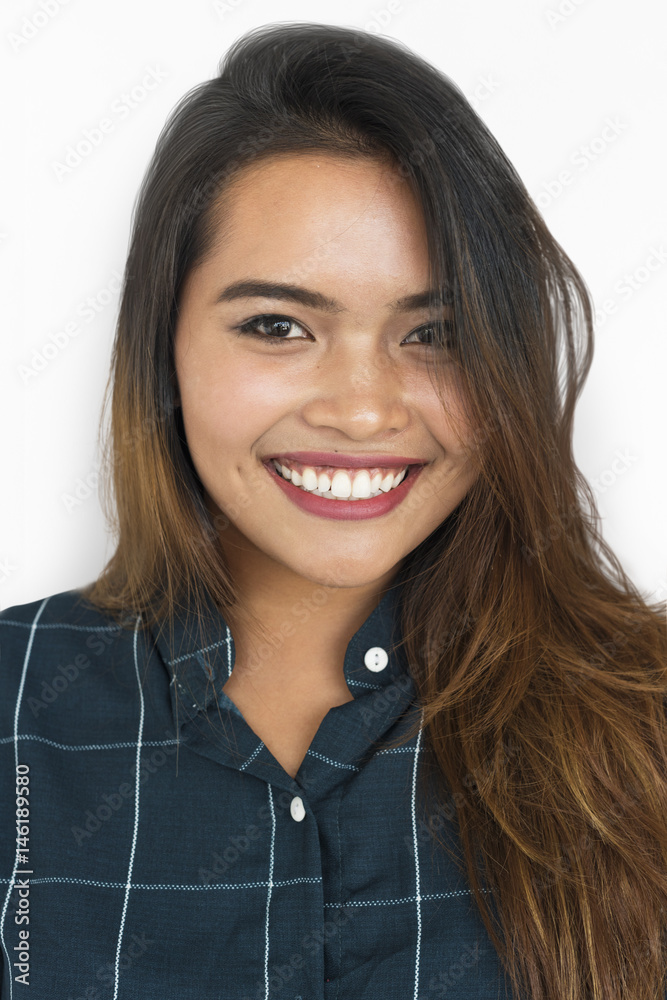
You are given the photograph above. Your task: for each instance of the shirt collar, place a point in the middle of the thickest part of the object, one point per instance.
(202, 656)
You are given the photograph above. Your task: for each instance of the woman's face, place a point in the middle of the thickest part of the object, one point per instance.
(335, 384)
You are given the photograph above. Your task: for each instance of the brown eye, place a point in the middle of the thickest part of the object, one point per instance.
(271, 328)
(436, 334)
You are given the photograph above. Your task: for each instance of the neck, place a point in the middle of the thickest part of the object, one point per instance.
(283, 621)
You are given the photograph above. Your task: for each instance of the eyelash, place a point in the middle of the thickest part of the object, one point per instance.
(249, 328)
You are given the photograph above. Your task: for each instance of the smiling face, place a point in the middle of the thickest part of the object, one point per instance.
(339, 370)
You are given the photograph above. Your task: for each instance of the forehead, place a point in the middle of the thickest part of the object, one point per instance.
(309, 212)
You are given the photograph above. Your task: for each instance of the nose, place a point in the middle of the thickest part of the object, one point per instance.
(359, 392)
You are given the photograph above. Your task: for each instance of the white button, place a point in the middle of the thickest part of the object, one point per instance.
(297, 809)
(376, 658)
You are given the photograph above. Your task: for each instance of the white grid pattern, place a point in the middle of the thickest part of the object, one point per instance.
(270, 883)
(136, 815)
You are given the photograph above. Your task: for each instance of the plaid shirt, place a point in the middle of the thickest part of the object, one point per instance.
(165, 854)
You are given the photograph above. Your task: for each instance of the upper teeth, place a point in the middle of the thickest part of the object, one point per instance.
(340, 484)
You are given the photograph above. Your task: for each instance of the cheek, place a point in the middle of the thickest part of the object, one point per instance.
(449, 427)
(230, 406)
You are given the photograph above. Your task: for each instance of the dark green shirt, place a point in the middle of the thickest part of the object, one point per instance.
(167, 855)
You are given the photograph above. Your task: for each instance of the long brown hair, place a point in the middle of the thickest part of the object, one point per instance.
(541, 669)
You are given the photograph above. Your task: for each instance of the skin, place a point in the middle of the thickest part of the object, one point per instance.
(351, 230)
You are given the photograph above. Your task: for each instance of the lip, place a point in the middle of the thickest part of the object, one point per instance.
(344, 510)
(345, 461)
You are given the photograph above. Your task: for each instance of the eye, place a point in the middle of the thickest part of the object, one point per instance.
(274, 328)
(438, 334)
(259, 326)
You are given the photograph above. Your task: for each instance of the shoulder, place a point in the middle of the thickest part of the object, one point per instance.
(63, 619)
(48, 645)
(66, 608)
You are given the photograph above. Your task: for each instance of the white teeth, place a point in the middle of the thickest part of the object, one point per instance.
(309, 477)
(361, 487)
(341, 485)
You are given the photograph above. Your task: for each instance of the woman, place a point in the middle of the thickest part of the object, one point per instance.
(356, 709)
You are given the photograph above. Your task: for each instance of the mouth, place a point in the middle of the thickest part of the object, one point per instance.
(341, 492)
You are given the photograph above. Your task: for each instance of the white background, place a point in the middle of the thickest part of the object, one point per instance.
(545, 75)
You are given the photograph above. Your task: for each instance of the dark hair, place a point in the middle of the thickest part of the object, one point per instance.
(540, 667)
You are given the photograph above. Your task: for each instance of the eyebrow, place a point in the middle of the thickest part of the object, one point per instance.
(253, 288)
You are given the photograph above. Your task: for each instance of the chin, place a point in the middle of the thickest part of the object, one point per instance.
(346, 573)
